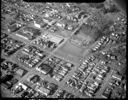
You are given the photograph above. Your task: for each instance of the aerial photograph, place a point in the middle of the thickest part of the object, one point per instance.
(63, 50)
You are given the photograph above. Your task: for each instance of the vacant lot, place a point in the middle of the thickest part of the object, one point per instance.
(71, 52)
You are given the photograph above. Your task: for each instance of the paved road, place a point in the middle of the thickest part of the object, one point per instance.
(105, 84)
(52, 53)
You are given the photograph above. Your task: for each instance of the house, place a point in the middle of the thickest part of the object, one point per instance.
(117, 76)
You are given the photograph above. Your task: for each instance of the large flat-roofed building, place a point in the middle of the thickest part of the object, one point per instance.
(62, 50)
(54, 38)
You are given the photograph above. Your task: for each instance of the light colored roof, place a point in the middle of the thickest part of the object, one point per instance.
(53, 38)
(37, 25)
(117, 76)
(20, 72)
(23, 86)
(43, 90)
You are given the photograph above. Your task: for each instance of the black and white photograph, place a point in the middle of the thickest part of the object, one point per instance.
(62, 50)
